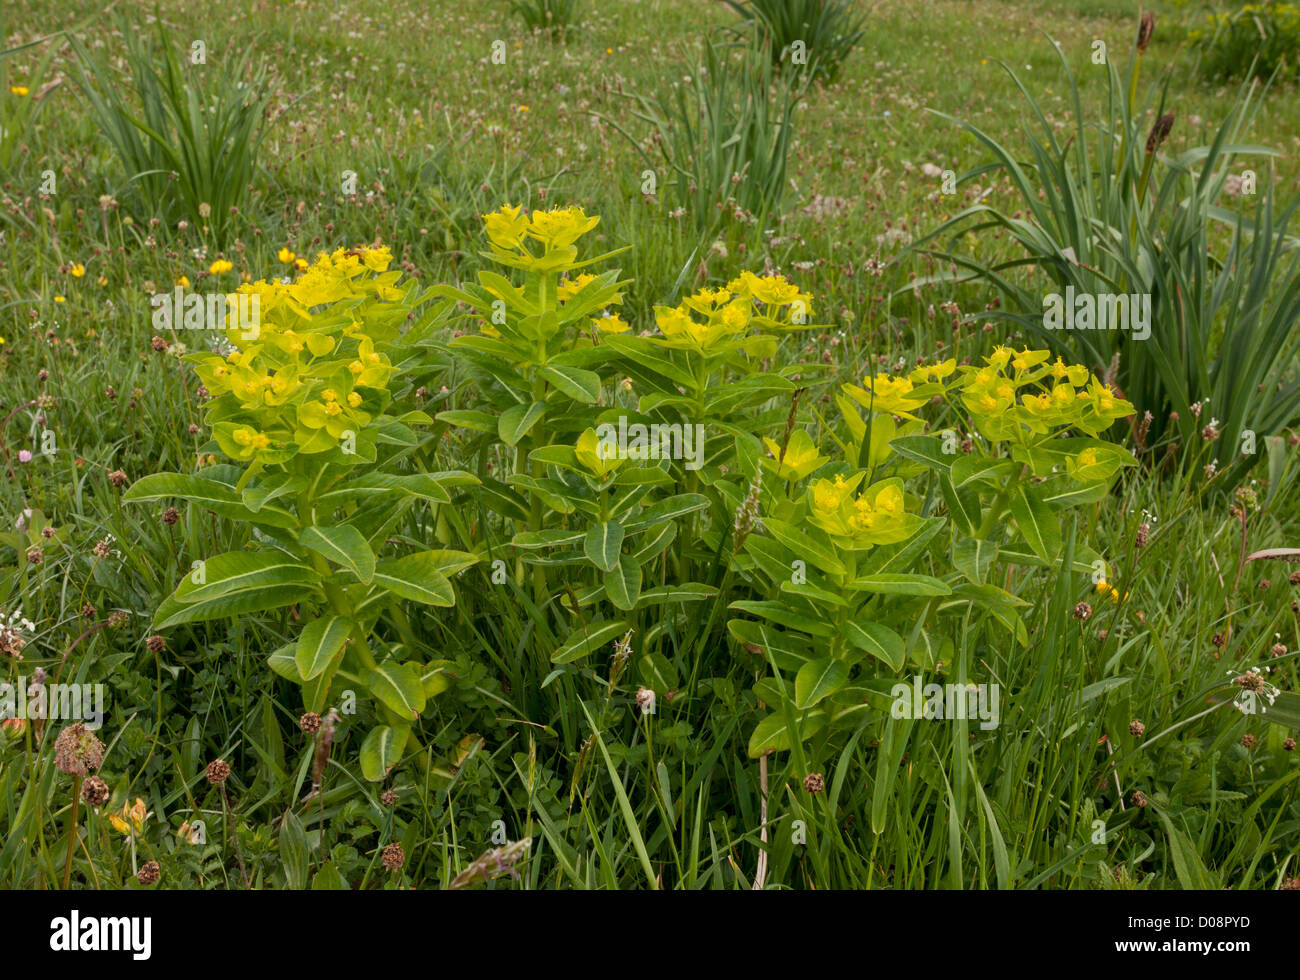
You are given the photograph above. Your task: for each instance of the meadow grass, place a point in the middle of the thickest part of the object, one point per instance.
(405, 96)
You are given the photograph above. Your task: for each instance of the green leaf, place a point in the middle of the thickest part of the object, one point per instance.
(897, 584)
(382, 749)
(320, 642)
(465, 419)
(243, 571)
(623, 583)
(416, 577)
(579, 384)
(818, 679)
(972, 557)
(970, 468)
(789, 650)
(666, 510)
(783, 615)
(926, 450)
(328, 879)
(343, 545)
(216, 497)
(293, 851)
(876, 639)
(552, 538)
(1037, 523)
(585, 639)
(173, 613)
(517, 420)
(773, 735)
(963, 505)
(398, 687)
(602, 545)
(804, 546)
(284, 663)
(1188, 866)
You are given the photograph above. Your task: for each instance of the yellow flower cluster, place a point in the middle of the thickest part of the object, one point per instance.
(763, 302)
(513, 236)
(312, 367)
(1059, 395)
(873, 517)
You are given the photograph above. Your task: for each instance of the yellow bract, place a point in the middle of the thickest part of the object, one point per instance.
(801, 456)
(876, 516)
(891, 396)
(590, 454)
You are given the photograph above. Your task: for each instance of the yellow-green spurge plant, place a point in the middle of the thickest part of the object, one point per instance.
(619, 478)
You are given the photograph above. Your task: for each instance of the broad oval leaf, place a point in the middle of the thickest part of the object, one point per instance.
(343, 545)
(320, 642)
(818, 679)
(381, 750)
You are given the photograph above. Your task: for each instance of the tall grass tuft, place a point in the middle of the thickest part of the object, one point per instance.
(723, 137)
(819, 34)
(559, 18)
(1106, 212)
(187, 136)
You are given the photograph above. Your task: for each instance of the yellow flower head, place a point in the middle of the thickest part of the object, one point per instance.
(560, 227)
(611, 323)
(772, 290)
(933, 372)
(506, 226)
(570, 288)
(220, 266)
(78, 270)
(886, 395)
(131, 819)
(285, 256)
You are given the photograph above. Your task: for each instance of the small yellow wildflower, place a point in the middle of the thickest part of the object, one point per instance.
(136, 814)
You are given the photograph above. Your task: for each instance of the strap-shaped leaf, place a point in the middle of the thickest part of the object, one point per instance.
(343, 545)
(818, 679)
(602, 545)
(416, 577)
(584, 639)
(320, 642)
(804, 546)
(398, 687)
(896, 584)
(876, 639)
(216, 497)
(243, 571)
(173, 613)
(578, 383)
(1037, 522)
(517, 420)
(623, 583)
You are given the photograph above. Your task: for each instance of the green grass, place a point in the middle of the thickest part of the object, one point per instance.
(436, 134)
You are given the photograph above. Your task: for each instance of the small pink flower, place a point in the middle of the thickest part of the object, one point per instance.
(24, 456)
